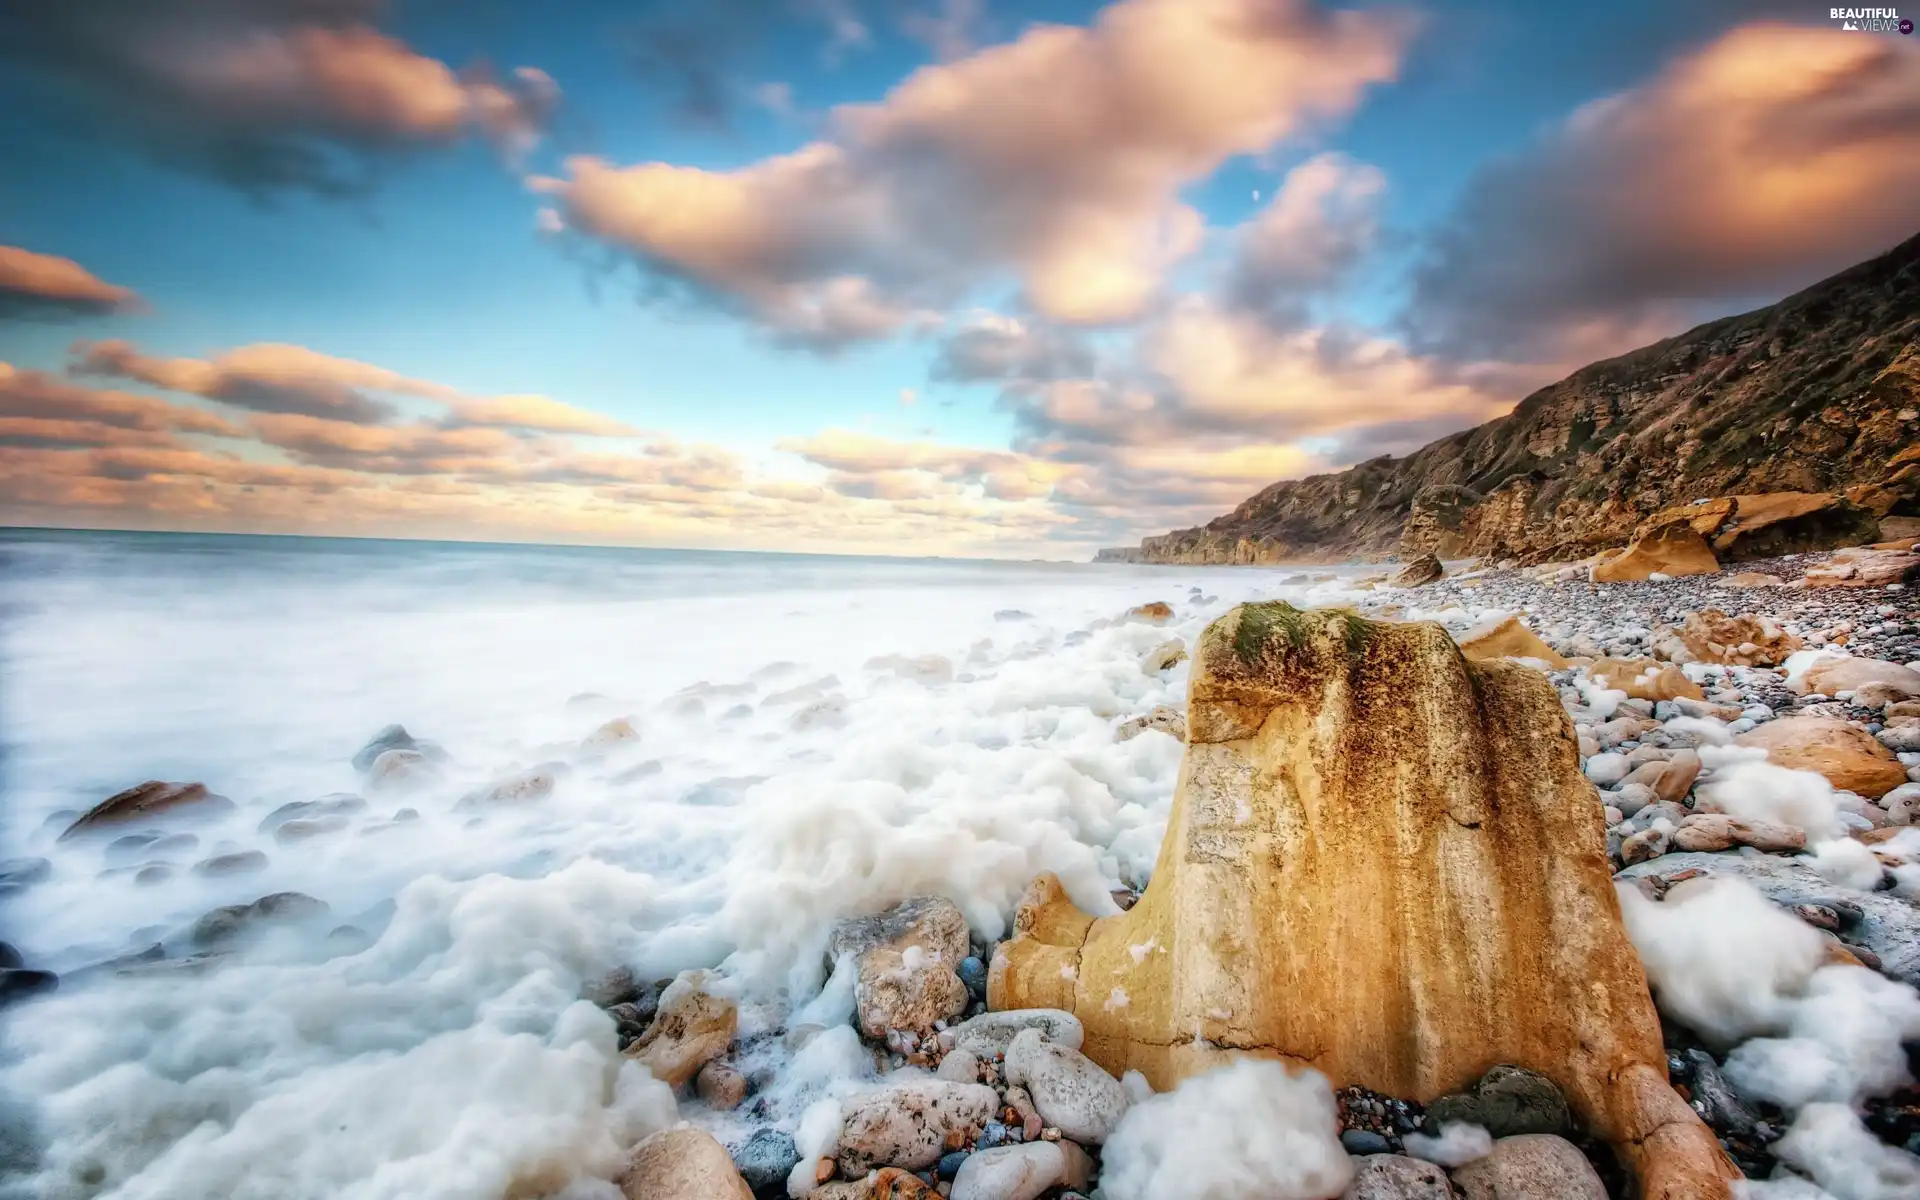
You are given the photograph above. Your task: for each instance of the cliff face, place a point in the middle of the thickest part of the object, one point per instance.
(1813, 394)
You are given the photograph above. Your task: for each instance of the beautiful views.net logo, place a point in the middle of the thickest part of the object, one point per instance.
(1870, 20)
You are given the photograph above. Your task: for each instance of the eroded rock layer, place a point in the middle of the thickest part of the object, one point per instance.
(1383, 861)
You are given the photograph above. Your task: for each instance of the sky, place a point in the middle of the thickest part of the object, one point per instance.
(961, 277)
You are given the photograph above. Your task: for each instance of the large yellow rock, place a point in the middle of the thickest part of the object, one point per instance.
(1846, 754)
(683, 1164)
(1382, 861)
(692, 1028)
(1671, 550)
(1743, 641)
(1508, 639)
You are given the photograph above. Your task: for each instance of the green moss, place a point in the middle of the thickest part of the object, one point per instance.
(1261, 623)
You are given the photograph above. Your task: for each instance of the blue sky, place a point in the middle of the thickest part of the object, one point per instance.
(1454, 290)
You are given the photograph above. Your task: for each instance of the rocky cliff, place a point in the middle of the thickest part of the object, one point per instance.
(1814, 394)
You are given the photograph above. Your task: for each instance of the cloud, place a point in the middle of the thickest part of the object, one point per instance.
(953, 178)
(272, 377)
(949, 28)
(1322, 221)
(46, 285)
(695, 54)
(37, 409)
(264, 95)
(992, 347)
(1758, 164)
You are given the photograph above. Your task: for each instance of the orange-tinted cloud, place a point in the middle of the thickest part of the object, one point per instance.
(952, 179)
(1758, 164)
(271, 377)
(262, 94)
(37, 409)
(1319, 224)
(43, 285)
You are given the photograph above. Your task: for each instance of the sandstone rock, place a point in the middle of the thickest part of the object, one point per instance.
(892, 1183)
(1847, 755)
(1418, 573)
(1743, 641)
(332, 805)
(1271, 899)
(394, 737)
(1159, 612)
(691, 1028)
(1648, 843)
(1070, 1090)
(959, 1066)
(1864, 568)
(682, 1164)
(990, 1034)
(1831, 676)
(1645, 679)
(617, 732)
(1509, 638)
(149, 799)
(521, 788)
(720, 1085)
(1021, 1172)
(907, 1125)
(905, 991)
(1902, 805)
(1397, 1177)
(1678, 776)
(905, 960)
(1507, 1101)
(1170, 721)
(1774, 523)
(1165, 655)
(1671, 550)
(398, 770)
(1753, 579)
(1533, 1166)
(1717, 831)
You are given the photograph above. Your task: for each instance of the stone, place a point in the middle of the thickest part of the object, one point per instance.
(682, 1164)
(1847, 755)
(1677, 777)
(1165, 655)
(1902, 805)
(908, 1124)
(520, 788)
(892, 1183)
(989, 1035)
(240, 862)
(1397, 1177)
(335, 804)
(691, 1028)
(1647, 844)
(1885, 924)
(302, 829)
(615, 733)
(1364, 1141)
(621, 985)
(720, 1085)
(1507, 1101)
(1632, 797)
(973, 973)
(1170, 721)
(1021, 1172)
(1742, 641)
(1753, 579)
(1717, 831)
(1672, 550)
(1722, 1108)
(766, 1159)
(1831, 676)
(222, 928)
(1864, 568)
(393, 737)
(1645, 679)
(150, 799)
(959, 1066)
(904, 960)
(19, 983)
(397, 770)
(1158, 612)
(1480, 844)
(1532, 1166)
(1508, 638)
(1418, 573)
(1070, 1091)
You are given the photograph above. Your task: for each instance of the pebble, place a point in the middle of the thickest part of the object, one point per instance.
(989, 1034)
(1533, 1166)
(1021, 1172)
(1364, 1141)
(766, 1159)
(1396, 1177)
(1071, 1091)
(907, 1125)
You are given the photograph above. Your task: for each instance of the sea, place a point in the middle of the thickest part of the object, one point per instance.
(817, 737)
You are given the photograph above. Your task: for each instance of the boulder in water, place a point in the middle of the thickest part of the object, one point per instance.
(682, 1164)
(150, 799)
(1382, 857)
